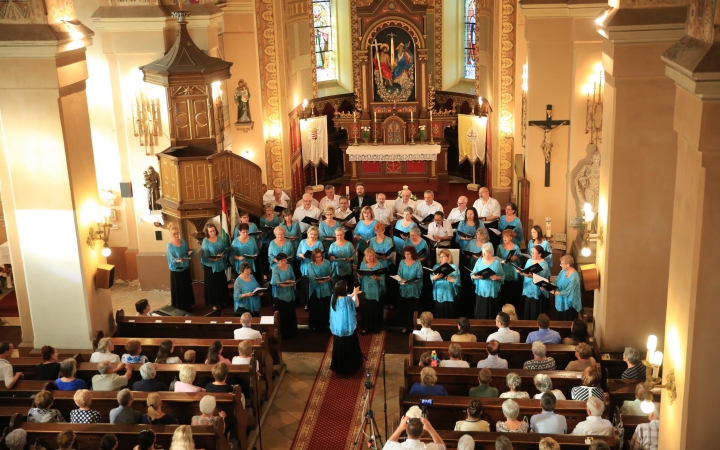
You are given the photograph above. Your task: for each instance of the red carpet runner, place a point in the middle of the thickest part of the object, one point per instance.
(333, 413)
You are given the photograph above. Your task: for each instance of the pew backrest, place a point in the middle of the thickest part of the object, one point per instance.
(520, 441)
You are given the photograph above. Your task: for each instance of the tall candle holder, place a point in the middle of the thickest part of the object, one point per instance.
(432, 141)
(412, 132)
(375, 130)
(355, 129)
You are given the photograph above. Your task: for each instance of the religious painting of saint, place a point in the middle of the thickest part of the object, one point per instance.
(393, 59)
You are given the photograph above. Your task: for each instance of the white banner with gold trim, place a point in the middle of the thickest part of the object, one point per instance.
(313, 132)
(472, 133)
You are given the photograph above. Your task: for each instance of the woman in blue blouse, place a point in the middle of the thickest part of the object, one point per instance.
(384, 244)
(268, 222)
(306, 245)
(178, 255)
(510, 219)
(243, 249)
(567, 296)
(245, 299)
(343, 257)
(214, 261)
(374, 288)
(469, 226)
(347, 357)
(469, 256)
(512, 283)
(411, 273)
(279, 245)
(402, 229)
(532, 294)
(292, 230)
(283, 291)
(487, 289)
(419, 243)
(327, 228)
(320, 291)
(445, 288)
(245, 218)
(537, 238)
(365, 228)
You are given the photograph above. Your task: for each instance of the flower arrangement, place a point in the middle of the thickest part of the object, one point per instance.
(423, 132)
(413, 197)
(365, 132)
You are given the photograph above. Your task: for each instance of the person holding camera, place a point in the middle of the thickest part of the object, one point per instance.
(414, 428)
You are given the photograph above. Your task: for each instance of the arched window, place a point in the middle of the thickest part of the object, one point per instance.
(324, 40)
(470, 39)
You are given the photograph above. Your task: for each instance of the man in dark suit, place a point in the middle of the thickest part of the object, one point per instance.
(361, 199)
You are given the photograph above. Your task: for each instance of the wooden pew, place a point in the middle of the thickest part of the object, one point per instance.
(196, 327)
(28, 365)
(150, 348)
(515, 354)
(181, 405)
(459, 381)
(630, 424)
(29, 387)
(624, 390)
(445, 411)
(520, 441)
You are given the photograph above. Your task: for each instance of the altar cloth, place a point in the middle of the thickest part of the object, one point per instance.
(417, 152)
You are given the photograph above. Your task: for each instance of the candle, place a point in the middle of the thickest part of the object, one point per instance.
(375, 117)
(347, 191)
(411, 115)
(354, 117)
(548, 232)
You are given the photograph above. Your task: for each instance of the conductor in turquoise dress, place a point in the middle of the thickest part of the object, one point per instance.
(568, 302)
(487, 288)
(533, 296)
(214, 261)
(510, 219)
(411, 280)
(178, 255)
(244, 295)
(373, 286)
(445, 288)
(320, 278)
(283, 291)
(347, 358)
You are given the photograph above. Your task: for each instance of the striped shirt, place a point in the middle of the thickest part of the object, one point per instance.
(646, 436)
(637, 372)
(584, 392)
(545, 364)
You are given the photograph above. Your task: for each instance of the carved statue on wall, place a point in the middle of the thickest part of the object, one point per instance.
(587, 181)
(242, 98)
(152, 184)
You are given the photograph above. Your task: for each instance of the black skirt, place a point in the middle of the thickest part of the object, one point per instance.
(570, 314)
(372, 316)
(181, 292)
(408, 305)
(319, 313)
(347, 358)
(486, 307)
(444, 310)
(532, 309)
(288, 317)
(216, 288)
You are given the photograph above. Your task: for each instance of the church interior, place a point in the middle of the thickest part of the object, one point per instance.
(130, 126)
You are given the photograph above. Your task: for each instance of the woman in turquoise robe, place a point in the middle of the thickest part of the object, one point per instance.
(268, 222)
(468, 257)
(292, 230)
(320, 291)
(409, 268)
(181, 292)
(365, 228)
(568, 302)
(279, 245)
(214, 261)
(537, 238)
(283, 290)
(344, 258)
(533, 296)
(243, 245)
(416, 240)
(373, 286)
(308, 245)
(245, 218)
(347, 358)
(327, 228)
(512, 284)
(469, 226)
(245, 284)
(445, 288)
(487, 288)
(511, 219)
(402, 227)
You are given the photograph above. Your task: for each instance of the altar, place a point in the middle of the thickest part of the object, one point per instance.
(386, 162)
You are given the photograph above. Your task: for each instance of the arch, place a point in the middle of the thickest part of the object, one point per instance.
(392, 21)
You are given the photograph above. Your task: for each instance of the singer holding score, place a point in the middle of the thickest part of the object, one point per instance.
(533, 296)
(243, 249)
(244, 295)
(488, 277)
(343, 256)
(214, 261)
(178, 255)
(347, 357)
(283, 292)
(567, 295)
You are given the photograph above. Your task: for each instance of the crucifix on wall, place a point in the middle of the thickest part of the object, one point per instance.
(548, 126)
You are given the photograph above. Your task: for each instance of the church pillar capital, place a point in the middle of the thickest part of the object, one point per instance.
(642, 22)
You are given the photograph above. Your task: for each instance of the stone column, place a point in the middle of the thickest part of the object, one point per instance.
(691, 329)
(48, 182)
(637, 175)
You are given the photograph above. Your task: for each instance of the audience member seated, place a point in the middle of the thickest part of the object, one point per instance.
(425, 360)
(109, 442)
(547, 421)
(133, 355)
(16, 439)
(509, 309)
(124, 413)
(245, 355)
(108, 379)
(636, 369)
(65, 440)
(484, 389)
(632, 407)
(215, 354)
(514, 382)
(503, 443)
(427, 384)
(105, 352)
(67, 380)
(511, 410)
(207, 408)
(414, 429)
(646, 434)
(83, 400)
(6, 370)
(583, 353)
(504, 334)
(466, 442)
(594, 425)
(543, 383)
(50, 367)
(539, 362)
(187, 376)
(544, 334)
(549, 444)
(182, 439)
(493, 361)
(189, 357)
(246, 332)
(472, 422)
(154, 415)
(426, 333)
(463, 334)
(142, 307)
(599, 445)
(579, 333)
(41, 412)
(148, 382)
(219, 372)
(590, 386)
(455, 360)
(146, 440)
(164, 354)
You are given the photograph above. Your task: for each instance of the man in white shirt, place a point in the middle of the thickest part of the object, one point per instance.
(280, 198)
(404, 202)
(488, 208)
(382, 212)
(308, 190)
(594, 425)
(6, 369)
(458, 214)
(343, 211)
(306, 210)
(429, 206)
(425, 333)
(270, 195)
(440, 230)
(547, 421)
(108, 379)
(414, 428)
(246, 332)
(504, 334)
(493, 361)
(330, 198)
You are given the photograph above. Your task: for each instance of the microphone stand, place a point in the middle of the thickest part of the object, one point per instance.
(385, 397)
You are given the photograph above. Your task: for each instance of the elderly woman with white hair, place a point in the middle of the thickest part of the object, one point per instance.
(105, 352)
(488, 276)
(466, 442)
(207, 408)
(540, 360)
(636, 370)
(16, 439)
(543, 383)
(567, 294)
(594, 425)
(148, 382)
(511, 410)
(83, 400)
(514, 382)
(187, 376)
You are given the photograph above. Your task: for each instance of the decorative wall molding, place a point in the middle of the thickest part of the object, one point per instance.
(507, 91)
(438, 42)
(313, 55)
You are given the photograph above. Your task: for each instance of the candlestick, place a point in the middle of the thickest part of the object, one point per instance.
(432, 140)
(375, 116)
(411, 116)
(353, 116)
(347, 191)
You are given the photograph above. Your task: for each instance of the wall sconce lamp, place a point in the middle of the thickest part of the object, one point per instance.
(588, 217)
(653, 360)
(102, 219)
(146, 117)
(594, 108)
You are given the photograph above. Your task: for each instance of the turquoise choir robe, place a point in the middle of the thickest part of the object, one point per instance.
(366, 232)
(253, 229)
(373, 289)
(302, 248)
(486, 287)
(343, 319)
(382, 247)
(410, 290)
(211, 249)
(293, 234)
(473, 247)
(444, 290)
(508, 269)
(399, 241)
(326, 231)
(321, 290)
(251, 303)
(567, 294)
(503, 223)
(467, 229)
(421, 248)
(239, 249)
(284, 293)
(268, 236)
(174, 252)
(530, 290)
(546, 246)
(274, 249)
(342, 268)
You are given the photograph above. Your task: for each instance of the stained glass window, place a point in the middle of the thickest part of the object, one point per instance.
(470, 39)
(324, 42)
